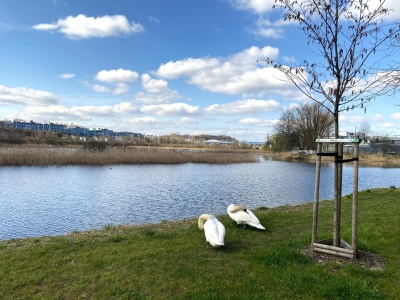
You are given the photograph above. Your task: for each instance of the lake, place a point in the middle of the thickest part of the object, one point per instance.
(38, 201)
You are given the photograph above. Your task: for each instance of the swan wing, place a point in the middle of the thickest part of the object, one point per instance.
(254, 220)
(221, 232)
(237, 214)
(243, 217)
(253, 216)
(214, 232)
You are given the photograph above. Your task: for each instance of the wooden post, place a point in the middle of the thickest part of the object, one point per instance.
(316, 196)
(338, 197)
(336, 245)
(355, 201)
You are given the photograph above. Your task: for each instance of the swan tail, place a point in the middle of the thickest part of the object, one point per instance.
(259, 226)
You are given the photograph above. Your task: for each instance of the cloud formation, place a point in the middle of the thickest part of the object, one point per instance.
(26, 96)
(244, 106)
(238, 74)
(83, 27)
(77, 113)
(258, 122)
(119, 75)
(66, 76)
(254, 6)
(173, 109)
(156, 91)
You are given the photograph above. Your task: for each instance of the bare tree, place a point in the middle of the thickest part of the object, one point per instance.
(365, 127)
(302, 125)
(354, 46)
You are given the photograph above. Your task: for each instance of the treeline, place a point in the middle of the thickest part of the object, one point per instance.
(299, 127)
(21, 136)
(25, 136)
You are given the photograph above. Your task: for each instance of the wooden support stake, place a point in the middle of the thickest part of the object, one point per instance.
(316, 196)
(333, 252)
(355, 200)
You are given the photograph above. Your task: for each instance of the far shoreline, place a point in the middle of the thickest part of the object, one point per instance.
(46, 155)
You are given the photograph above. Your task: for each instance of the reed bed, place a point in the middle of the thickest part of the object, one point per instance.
(46, 156)
(365, 159)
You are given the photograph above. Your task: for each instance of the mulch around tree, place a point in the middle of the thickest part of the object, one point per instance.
(363, 259)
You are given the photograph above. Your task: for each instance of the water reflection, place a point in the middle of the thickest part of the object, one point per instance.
(38, 201)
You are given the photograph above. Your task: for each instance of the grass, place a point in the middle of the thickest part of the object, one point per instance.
(170, 261)
(45, 156)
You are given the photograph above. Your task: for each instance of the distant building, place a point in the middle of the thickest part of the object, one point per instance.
(97, 132)
(128, 134)
(77, 131)
(218, 142)
(38, 126)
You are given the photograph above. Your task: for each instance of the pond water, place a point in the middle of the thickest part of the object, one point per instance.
(38, 201)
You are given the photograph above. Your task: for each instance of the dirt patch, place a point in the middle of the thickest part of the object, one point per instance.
(364, 259)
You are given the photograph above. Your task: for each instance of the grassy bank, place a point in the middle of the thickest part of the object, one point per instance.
(44, 156)
(374, 160)
(170, 260)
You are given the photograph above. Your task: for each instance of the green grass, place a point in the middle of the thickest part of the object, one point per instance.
(170, 260)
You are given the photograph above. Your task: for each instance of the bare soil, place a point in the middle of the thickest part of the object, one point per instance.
(364, 259)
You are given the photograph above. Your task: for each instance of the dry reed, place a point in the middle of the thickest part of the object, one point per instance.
(45, 156)
(365, 159)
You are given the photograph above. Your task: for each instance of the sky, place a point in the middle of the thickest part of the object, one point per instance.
(159, 67)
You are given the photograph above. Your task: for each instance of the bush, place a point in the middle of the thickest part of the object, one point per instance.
(95, 146)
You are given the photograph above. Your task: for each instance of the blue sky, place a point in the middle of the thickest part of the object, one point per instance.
(158, 67)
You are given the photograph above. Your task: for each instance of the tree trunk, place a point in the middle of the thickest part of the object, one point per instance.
(337, 189)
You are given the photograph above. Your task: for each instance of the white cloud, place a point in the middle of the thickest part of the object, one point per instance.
(100, 88)
(59, 112)
(119, 75)
(265, 6)
(157, 91)
(268, 29)
(153, 85)
(83, 27)
(390, 4)
(395, 116)
(238, 74)
(53, 112)
(124, 108)
(376, 118)
(154, 20)
(244, 106)
(45, 27)
(187, 67)
(122, 88)
(258, 122)
(358, 119)
(170, 109)
(66, 76)
(386, 125)
(141, 121)
(25, 96)
(254, 6)
(187, 120)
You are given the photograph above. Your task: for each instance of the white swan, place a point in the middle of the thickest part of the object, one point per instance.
(214, 230)
(243, 216)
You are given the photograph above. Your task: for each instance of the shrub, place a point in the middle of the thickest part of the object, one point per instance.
(95, 146)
